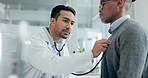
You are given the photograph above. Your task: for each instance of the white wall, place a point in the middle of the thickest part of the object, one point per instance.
(141, 12)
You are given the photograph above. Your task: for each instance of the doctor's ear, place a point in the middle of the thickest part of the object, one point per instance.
(52, 20)
(120, 3)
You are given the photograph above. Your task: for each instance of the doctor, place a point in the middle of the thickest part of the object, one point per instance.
(47, 54)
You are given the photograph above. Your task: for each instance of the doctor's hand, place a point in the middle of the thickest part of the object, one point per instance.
(100, 46)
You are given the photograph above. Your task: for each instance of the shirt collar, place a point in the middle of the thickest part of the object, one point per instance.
(117, 23)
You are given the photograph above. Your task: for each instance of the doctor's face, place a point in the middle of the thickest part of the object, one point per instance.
(64, 24)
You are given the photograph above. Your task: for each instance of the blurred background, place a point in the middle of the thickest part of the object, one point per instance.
(19, 18)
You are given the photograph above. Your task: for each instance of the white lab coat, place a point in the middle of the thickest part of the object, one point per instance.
(39, 58)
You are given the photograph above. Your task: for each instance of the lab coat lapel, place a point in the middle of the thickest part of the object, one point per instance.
(45, 34)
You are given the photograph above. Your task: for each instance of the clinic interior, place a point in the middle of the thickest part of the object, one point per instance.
(31, 15)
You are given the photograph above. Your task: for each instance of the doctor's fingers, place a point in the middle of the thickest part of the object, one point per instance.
(103, 45)
(97, 49)
(103, 41)
(100, 45)
(103, 48)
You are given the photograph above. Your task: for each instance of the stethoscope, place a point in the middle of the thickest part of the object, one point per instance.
(59, 50)
(78, 74)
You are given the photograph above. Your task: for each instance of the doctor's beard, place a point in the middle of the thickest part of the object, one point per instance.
(64, 33)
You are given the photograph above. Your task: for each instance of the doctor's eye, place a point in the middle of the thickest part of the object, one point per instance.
(66, 21)
(72, 23)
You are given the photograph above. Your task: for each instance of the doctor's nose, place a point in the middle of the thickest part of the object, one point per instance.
(69, 25)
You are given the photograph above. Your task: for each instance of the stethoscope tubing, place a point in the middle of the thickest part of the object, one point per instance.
(80, 74)
(59, 50)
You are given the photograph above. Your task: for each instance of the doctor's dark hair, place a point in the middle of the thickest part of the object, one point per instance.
(56, 10)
